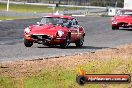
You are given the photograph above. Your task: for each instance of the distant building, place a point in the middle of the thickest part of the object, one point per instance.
(111, 11)
(127, 4)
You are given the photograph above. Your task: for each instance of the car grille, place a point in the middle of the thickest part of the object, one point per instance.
(123, 24)
(41, 37)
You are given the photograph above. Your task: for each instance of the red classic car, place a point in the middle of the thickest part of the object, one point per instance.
(55, 30)
(123, 19)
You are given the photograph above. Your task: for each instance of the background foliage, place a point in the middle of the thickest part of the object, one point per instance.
(80, 2)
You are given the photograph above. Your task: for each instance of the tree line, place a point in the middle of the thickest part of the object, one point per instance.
(118, 3)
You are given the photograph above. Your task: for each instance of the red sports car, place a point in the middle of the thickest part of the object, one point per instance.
(55, 30)
(123, 19)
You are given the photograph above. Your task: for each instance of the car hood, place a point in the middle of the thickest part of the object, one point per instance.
(127, 19)
(46, 29)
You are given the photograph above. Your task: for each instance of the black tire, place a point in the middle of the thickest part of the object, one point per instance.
(80, 80)
(115, 27)
(79, 43)
(65, 44)
(28, 43)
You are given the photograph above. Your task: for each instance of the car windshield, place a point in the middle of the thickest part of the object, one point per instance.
(124, 13)
(55, 21)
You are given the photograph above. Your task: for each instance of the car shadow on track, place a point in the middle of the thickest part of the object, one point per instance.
(74, 47)
(86, 47)
(123, 29)
(126, 29)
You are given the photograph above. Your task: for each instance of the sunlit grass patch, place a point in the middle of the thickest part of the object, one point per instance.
(102, 67)
(7, 82)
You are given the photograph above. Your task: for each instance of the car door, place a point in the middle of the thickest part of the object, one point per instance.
(75, 29)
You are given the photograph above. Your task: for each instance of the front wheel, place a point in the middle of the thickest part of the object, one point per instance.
(115, 27)
(79, 43)
(65, 43)
(28, 43)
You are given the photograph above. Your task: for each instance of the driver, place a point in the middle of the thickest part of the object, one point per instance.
(67, 22)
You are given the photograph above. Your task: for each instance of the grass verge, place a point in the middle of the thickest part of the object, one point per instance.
(6, 82)
(66, 78)
(31, 8)
(62, 74)
(34, 8)
(13, 18)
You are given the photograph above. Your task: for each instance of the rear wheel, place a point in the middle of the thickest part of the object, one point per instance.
(28, 43)
(79, 43)
(65, 43)
(115, 27)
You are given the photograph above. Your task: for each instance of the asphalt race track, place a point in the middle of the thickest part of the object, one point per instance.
(98, 30)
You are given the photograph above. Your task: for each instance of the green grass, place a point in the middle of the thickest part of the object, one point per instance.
(102, 67)
(26, 8)
(31, 8)
(34, 8)
(51, 79)
(13, 18)
(59, 78)
(6, 82)
(66, 78)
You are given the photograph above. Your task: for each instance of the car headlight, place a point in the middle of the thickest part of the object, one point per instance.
(60, 33)
(112, 19)
(27, 30)
(114, 22)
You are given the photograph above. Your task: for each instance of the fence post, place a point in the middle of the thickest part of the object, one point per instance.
(8, 5)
